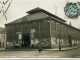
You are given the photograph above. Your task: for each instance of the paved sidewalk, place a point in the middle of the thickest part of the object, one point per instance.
(26, 49)
(65, 48)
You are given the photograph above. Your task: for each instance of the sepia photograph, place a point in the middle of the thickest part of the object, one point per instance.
(39, 29)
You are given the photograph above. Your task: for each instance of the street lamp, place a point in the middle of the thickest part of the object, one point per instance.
(59, 43)
(40, 47)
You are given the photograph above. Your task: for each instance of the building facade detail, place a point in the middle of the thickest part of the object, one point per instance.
(41, 27)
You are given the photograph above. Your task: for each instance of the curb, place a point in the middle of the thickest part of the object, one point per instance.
(72, 48)
(37, 49)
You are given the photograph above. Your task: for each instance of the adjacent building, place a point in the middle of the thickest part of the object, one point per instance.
(2, 37)
(40, 27)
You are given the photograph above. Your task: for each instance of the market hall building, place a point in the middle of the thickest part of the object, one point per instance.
(41, 27)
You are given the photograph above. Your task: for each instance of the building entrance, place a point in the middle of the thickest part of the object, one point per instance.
(26, 40)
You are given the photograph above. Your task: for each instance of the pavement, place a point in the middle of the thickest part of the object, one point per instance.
(65, 48)
(74, 53)
(54, 49)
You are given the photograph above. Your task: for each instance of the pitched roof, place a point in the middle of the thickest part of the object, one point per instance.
(34, 10)
(34, 16)
(44, 11)
(31, 17)
(16, 21)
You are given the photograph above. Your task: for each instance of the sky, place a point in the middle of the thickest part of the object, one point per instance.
(18, 9)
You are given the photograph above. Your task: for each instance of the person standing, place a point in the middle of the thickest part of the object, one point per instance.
(40, 48)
